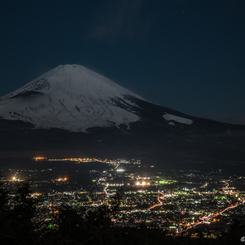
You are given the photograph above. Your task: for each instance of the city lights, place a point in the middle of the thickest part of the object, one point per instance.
(143, 183)
(152, 195)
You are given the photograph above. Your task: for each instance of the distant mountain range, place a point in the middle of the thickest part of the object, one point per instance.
(73, 108)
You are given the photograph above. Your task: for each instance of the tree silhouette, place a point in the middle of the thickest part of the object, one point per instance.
(16, 222)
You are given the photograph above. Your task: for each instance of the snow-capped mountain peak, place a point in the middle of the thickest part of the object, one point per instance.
(70, 97)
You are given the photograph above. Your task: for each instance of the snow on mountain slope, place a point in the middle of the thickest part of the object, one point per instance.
(70, 97)
(170, 117)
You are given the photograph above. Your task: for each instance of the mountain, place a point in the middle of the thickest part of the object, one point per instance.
(74, 98)
(70, 97)
(72, 108)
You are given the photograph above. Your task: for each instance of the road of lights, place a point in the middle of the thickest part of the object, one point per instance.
(107, 194)
(151, 207)
(204, 218)
(157, 204)
(162, 196)
(209, 217)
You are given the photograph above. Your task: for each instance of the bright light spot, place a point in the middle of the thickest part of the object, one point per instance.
(14, 178)
(138, 183)
(120, 170)
(143, 183)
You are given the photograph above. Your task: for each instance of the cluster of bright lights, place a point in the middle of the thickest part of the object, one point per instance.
(15, 179)
(62, 179)
(120, 170)
(39, 158)
(142, 183)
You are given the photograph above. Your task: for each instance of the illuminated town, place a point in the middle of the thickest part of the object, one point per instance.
(179, 202)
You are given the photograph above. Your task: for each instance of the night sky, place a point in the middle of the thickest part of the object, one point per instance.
(188, 55)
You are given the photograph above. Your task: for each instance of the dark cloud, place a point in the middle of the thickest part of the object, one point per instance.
(122, 19)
